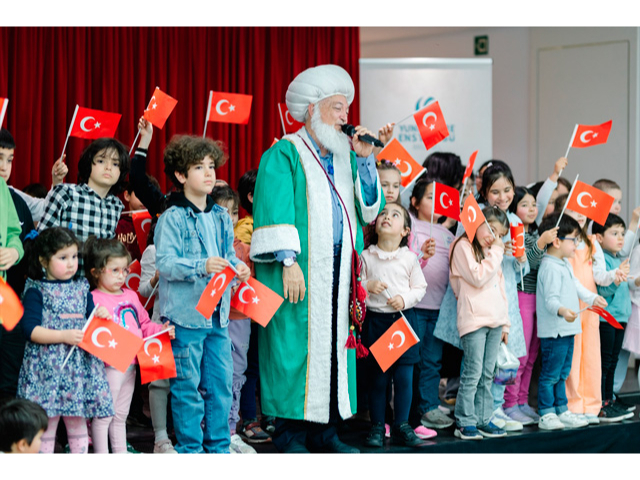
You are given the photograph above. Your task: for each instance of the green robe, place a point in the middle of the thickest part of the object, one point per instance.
(292, 211)
(10, 228)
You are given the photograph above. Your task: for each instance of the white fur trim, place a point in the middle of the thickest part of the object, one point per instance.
(369, 214)
(320, 280)
(273, 238)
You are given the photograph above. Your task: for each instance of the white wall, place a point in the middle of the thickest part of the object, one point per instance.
(527, 101)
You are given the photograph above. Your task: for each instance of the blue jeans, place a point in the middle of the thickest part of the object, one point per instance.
(428, 369)
(556, 356)
(474, 403)
(202, 389)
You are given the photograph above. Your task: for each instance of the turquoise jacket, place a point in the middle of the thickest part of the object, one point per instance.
(616, 296)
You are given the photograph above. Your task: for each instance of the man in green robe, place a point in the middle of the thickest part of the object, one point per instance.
(302, 249)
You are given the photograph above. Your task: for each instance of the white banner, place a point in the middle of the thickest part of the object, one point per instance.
(394, 89)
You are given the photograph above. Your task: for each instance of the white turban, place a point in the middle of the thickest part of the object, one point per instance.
(315, 84)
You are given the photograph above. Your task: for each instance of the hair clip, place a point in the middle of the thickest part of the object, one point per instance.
(31, 235)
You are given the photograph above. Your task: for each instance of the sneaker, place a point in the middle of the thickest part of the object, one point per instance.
(238, 446)
(424, 433)
(623, 405)
(251, 432)
(529, 412)
(514, 413)
(436, 419)
(269, 424)
(376, 435)
(387, 430)
(443, 409)
(164, 446)
(404, 435)
(491, 431)
(468, 433)
(608, 414)
(130, 449)
(510, 425)
(550, 421)
(592, 418)
(626, 414)
(571, 420)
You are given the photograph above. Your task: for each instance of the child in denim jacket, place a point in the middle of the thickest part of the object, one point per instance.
(194, 240)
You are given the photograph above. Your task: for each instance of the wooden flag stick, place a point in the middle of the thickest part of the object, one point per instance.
(73, 119)
(84, 329)
(566, 155)
(433, 208)
(206, 120)
(389, 297)
(134, 142)
(568, 198)
(156, 334)
(284, 129)
(151, 296)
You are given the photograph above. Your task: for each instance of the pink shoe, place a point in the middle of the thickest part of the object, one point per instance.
(387, 430)
(424, 432)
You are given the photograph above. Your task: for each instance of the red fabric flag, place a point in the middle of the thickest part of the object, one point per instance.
(213, 293)
(431, 125)
(230, 107)
(289, 124)
(111, 343)
(393, 343)
(469, 169)
(446, 201)
(471, 217)
(257, 301)
(591, 202)
(142, 225)
(590, 135)
(395, 153)
(156, 359)
(132, 282)
(94, 124)
(11, 308)
(607, 316)
(4, 103)
(517, 239)
(160, 107)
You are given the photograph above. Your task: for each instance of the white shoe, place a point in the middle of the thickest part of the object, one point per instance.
(510, 425)
(519, 416)
(550, 421)
(592, 418)
(571, 420)
(164, 446)
(238, 446)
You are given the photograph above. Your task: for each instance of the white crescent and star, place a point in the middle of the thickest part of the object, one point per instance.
(399, 162)
(579, 200)
(83, 122)
(149, 342)
(583, 136)
(288, 118)
(98, 331)
(428, 115)
(222, 102)
(442, 202)
(128, 279)
(469, 211)
(244, 289)
(146, 221)
(152, 104)
(222, 277)
(402, 339)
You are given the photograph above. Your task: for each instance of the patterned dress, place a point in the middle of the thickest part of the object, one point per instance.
(81, 388)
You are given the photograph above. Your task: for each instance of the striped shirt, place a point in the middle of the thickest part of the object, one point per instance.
(534, 255)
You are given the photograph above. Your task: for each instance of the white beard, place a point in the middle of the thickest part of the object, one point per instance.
(328, 136)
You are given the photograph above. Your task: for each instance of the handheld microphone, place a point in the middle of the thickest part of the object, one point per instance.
(350, 131)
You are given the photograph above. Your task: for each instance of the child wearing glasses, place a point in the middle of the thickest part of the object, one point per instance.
(557, 306)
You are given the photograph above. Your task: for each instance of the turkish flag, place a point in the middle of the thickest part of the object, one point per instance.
(607, 316)
(275, 140)
(431, 124)
(94, 124)
(288, 123)
(132, 282)
(257, 301)
(471, 217)
(11, 309)
(469, 169)
(160, 107)
(229, 107)
(590, 135)
(591, 202)
(517, 239)
(395, 153)
(111, 343)
(446, 201)
(156, 358)
(213, 292)
(393, 343)
(142, 225)
(4, 103)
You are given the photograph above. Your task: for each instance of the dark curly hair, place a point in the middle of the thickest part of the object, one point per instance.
(97, 252)
(186, 150)
(373, 235)
(86, 162)
(48, 242)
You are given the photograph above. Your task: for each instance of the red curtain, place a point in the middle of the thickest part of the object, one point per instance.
(45, 72)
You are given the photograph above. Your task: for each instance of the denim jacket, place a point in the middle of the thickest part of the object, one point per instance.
(182, 250)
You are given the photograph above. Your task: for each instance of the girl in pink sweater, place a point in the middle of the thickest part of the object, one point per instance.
(107, 263)
(483, 321)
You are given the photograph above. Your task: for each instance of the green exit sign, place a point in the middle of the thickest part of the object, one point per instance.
(481, 45)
